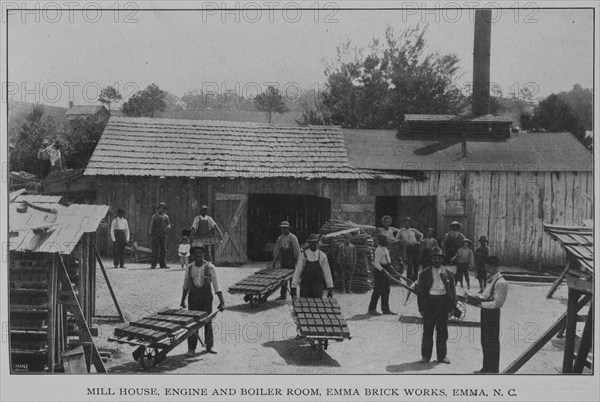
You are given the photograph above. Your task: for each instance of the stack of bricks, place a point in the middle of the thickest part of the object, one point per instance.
(320, 318)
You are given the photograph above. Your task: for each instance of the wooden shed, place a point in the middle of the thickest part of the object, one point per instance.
(52, 274)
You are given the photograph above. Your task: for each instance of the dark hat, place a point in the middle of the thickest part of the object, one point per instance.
(483, 238)
(195, 245)
(430, 230)
(407, 219)
(120, 210)
(436, 251)
(313, 238)
(57, 144)
(455, 223)
(381, 237)
(162, 204)
(203, 206)
(386, 217)
(284, 224)
(493, 261)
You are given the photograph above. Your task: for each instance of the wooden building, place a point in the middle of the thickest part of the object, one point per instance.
(252, 176)
(52, 279)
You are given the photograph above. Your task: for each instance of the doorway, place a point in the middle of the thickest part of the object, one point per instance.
(421, 209)
(305, 213)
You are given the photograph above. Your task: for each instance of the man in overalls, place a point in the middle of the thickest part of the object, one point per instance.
(312, 271)
(196, 285)
(382, 264)
(205, 229)
(286, 252)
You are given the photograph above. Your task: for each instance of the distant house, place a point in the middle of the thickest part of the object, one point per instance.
(96, 112)
(252, 176)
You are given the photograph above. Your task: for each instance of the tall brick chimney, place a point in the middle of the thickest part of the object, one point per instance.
(481, 62)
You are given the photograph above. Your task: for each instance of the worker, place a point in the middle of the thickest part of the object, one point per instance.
(312, 270)
(452, 241)
(53, 153)
(410, 239)
(119, 234)
(346, 260)
(199, 276)
(387, 230)
(44, 160)
(491, 301)
(286, 253)
(465, 261)
(205, 229)
(159, 226)
(436, 299)
(428, 243)
(381, 288)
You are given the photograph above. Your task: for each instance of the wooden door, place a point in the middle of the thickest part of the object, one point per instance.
(230, 212)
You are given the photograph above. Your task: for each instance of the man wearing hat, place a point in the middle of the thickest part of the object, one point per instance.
(452, 241)
(159, 225)
(286, 252)
(464, 262)
(44, 160)
(312, 270)
(410, 239)
(205, 229)
(492, 299)
(119, 233)
(346, 260)
(481, 255)
(199, 276)
(436, 298)
(386, 229)
(53, 154)
(381, 288)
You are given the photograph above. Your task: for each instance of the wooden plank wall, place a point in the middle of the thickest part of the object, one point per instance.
(508, 207)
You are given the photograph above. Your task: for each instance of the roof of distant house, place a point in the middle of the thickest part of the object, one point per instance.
(77, 110)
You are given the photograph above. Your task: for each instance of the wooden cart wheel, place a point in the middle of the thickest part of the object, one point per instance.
(313, 345)
(252, 302)
(325, 344)
(247, 298)
(148, 358)
(320, 348)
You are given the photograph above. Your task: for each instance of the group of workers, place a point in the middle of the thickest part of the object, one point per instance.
(435, 285)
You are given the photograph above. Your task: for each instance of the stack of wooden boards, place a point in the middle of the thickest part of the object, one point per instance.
(158, 327)
(333, 232)
(320, 318)
(262, 282)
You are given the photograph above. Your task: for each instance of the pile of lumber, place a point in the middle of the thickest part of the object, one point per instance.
(333, 232)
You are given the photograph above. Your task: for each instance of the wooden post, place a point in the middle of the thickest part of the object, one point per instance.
(570, 331)
(112, 293)
(558, 281)
(586, 342)
(52, 330)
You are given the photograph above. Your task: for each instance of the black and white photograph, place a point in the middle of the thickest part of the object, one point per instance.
(277, 200)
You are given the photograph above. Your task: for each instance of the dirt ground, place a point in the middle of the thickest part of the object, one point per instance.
(263, 340)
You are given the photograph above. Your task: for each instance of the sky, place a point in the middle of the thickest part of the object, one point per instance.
(55, 56)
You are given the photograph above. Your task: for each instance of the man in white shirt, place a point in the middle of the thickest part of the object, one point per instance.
(312, 270)
(119, 233)
(492, 299)
(381, 264)
(199, 276)
(410, 238)
(205, 229)
(436, 299)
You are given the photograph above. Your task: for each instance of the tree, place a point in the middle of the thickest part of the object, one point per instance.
(554, 115)
(270, 101)
(395, 77)
(33, 131)
(314, 112)
(80, 139)
(581, 102)
(109, 95)
(145, 103)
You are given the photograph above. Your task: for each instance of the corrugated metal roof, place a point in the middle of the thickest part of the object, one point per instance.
(38, 198)
(200, 148)
(85, 110)
(579, 241)
(63, 228)
(383, 150)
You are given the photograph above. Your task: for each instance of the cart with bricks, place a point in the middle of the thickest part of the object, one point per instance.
(155, 336)
(257, 287)
(319, 321)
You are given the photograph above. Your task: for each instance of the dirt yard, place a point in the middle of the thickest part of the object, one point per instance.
(263, 340)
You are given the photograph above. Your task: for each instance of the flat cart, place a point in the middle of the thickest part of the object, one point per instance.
(262, 284)
(410, 286)
(319, 321)
(155, 336)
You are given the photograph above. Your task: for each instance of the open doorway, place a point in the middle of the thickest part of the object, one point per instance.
(306, 214)
(421, 209)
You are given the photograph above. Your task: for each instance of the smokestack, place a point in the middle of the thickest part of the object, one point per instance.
(481, 62)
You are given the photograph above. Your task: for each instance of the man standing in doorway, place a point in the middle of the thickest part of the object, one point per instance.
(205, 229)
(492, 299)
(436, 294)
(410, 238)
(382, 264)
(286, 253)
(452, 241)
(197, 282)
(119, 233)
(159, 226)
(346, 260)
(312, 270)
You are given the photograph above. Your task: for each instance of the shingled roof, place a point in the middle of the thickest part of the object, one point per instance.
(529, 152)
(579, 241)
(201, 148)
